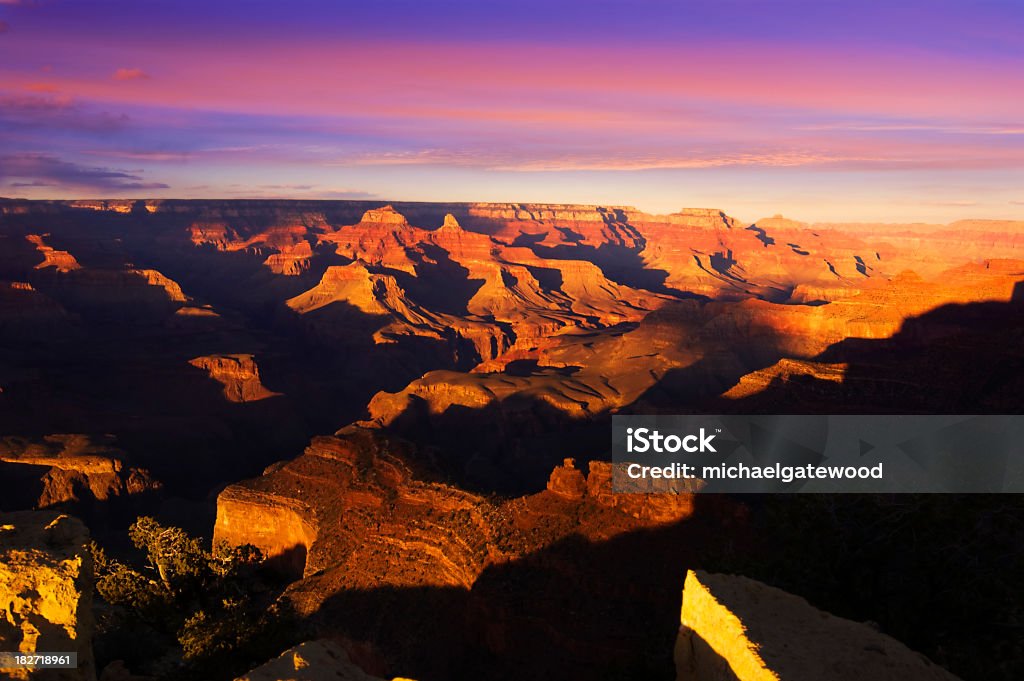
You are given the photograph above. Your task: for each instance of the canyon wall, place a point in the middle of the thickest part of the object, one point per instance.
(737, 629)
(74, 469)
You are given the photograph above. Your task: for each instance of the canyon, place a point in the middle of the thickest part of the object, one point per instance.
(406, 406)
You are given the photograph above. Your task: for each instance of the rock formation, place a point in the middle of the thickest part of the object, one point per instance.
(46, 591)
(476, 350)
(357, 511)
(321, 660)
(61, 260)
(67, 469)
(238, 374)
(27, 313)
(737, 629)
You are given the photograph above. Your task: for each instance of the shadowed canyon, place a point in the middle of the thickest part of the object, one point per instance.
(406, 408)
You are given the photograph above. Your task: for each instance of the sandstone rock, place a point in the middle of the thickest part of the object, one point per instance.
(239, 375)
(127, 293)
(61, 260)
(68, 469)
(321, 660)
(568, 482)
(737, 629)
(46, 591)
(386, 216)
(354, 512)
(283, 528)
(785, 370)
(292, 260)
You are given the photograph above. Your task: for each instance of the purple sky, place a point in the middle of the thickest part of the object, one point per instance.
(827, 110)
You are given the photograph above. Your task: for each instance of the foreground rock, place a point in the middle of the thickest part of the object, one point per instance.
(738, 629)
(440, 582)
(46, 591)
(310, 661)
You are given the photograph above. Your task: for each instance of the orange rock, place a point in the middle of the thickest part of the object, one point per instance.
(568, 482)
(738, 629)
(46, 591)
(238, 374)
(70, 469)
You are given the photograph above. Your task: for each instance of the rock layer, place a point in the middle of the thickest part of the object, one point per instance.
(239, 375)
(363, 514)
(68, 469)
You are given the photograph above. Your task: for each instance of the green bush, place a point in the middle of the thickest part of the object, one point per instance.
(211, 614)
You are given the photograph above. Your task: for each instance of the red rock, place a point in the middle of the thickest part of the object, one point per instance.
(238, 374)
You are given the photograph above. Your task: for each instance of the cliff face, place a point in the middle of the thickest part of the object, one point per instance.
(27, 313)
(737, 629)
(46, 591)
(427, 576)
(61, 260)
(68, 469)
(239, 375)
(491, 295)
(363, 514)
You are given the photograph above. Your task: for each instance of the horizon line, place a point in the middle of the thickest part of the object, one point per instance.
(385, 202)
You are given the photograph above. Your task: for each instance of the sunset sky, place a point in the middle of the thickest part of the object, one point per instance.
(825, 110)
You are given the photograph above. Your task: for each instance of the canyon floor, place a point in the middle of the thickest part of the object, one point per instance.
(407, 407)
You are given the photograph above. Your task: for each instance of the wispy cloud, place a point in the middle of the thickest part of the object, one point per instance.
(964, 203)
(45, 170)
(544, 161)
(141, 154)
(130, 74)
(296, 191)
(54, 111)
(903, 127)
(770, 159)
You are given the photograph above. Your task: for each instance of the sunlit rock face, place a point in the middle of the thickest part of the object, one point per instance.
(355, 510)
(738, 629)
(61, 260)
(46, 591)
(238, 373)
(69, 469)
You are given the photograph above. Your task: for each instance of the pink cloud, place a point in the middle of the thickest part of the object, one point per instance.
(130, 74)
(42, 87)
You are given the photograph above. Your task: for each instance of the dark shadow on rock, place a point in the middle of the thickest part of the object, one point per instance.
(762, 236)
(440, 284)
(955, 359)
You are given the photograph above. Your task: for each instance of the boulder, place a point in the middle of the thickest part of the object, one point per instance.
(311, 661)
(738, 629)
